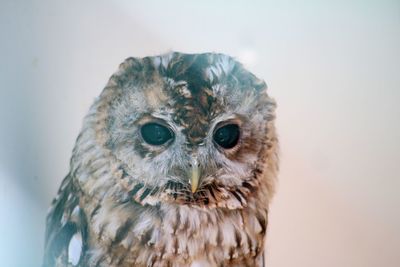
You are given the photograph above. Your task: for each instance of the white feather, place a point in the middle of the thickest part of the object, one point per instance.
(201, 263)
(75, 249)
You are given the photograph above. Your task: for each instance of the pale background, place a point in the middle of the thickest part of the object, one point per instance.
(333, 67)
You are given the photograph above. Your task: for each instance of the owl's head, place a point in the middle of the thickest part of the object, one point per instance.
(190, 129)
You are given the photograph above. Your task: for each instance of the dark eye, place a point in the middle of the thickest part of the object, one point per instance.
(156, 134)
(227, 136)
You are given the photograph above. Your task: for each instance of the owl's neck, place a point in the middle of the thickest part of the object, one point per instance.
(133, 234)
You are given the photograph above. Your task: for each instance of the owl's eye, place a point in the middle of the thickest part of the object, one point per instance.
(227, 136)
(156, 134)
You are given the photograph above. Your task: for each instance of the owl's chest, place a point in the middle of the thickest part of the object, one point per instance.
(182, 236)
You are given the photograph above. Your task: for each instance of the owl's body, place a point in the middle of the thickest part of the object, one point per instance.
(175, 166)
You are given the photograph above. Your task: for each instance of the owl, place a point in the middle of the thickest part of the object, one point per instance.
(175, 165)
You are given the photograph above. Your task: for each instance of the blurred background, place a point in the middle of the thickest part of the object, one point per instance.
(332, 66)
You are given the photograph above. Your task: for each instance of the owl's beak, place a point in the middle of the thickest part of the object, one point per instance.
(194, 175)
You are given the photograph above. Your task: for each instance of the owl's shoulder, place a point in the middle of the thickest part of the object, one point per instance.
(65, 237)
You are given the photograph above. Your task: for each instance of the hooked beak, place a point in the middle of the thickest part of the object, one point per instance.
(194, 175)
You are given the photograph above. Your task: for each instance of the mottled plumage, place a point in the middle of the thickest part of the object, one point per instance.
(175, 166)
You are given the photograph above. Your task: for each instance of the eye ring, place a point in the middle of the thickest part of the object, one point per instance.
(227, 136)
(156, 134)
